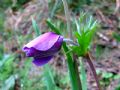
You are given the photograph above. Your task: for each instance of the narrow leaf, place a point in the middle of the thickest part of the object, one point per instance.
(83, 75)
(52, 26)
(49, 80)
(35, 27)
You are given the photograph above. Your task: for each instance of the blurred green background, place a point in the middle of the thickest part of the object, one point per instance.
(18, 73)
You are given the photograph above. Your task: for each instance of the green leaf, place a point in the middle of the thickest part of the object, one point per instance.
(107, 75)
(9, 83)
(87, 26)
(82, 17)
(53, 28)
(36, 28)
(74, 76)
(116, 36)
(83, 75)
(49, 80)
(118, 87)
(7, 59)
(117, 76)
(82, 48)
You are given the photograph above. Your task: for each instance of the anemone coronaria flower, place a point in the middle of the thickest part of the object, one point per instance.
(43, 48)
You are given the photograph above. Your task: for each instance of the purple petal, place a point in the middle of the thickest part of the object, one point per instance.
(43, 42)
(43, 48)
(41, 61)
(54, 49)
(30, 52)
(59, 42)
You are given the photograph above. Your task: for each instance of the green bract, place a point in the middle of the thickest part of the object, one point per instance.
(86, 27)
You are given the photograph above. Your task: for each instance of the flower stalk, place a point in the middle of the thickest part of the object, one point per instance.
(89, 61)
(73, 70)
(70, 41)
(72, 66)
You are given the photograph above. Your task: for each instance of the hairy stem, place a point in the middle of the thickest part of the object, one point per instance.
(73, 70)
(89, 60)
(70, 41)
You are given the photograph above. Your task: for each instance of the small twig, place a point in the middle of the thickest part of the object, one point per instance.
(117, 6)
(103, 36)
(102, 17)
(89, 60)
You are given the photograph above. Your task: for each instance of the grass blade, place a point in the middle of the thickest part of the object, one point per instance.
(49, 80)
(83, 75)
(35, 27)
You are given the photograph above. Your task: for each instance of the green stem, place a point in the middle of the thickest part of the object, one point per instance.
(72, 65)
(73, 70)
(83, 74)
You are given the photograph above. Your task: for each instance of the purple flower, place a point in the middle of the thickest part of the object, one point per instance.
(43, 48)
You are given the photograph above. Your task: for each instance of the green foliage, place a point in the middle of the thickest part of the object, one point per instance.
(5, 3)
(99, 51)
(118, 87)
(117, 76)
(25, 77)
(52, 26)
(35, 27)
(6, 67)
(56, 6)
(19, 4)
(6, 71)
(62, 81)
(2, 19)
(48, 78)
(22, 2)
(9, 83)
(116, 36)
(83, 75)
(9, 71)
(86, 27)
(14, 4)
(1, 51)
(107, 77)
